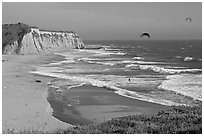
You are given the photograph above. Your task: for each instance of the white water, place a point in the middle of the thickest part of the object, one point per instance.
(161, 69)
(138, 58)
(61, 62)
(110, 85)
(185, 84)
(80, 73)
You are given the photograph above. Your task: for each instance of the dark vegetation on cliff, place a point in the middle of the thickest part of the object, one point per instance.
(176, 120)
(13, 32)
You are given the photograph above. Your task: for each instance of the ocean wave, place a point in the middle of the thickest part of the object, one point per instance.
(163, 70)
(112, 62)
(185, 84)
(69, 54)
(173, 67)
(71, 70)
(134, 95)
(57, 84)
(128, 61)
(115, 62)
(140, 62)
(104, 61)
(132, 66)
(51, 69)
(100, 59)
(178, 57)
(149, 62)
(188, 59)
(102, 52)
(138, 58)
(109, 85)
(77, 85)
(117, 53)
(109, 49)
(61, 62)
(88, 59)
(107, 63)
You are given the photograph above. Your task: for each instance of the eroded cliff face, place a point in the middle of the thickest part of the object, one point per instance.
(39, 40)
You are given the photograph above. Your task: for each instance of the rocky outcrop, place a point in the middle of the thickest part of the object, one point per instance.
(39, 40)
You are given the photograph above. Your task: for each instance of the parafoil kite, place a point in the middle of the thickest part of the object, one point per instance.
(188, 20)
(145, 35)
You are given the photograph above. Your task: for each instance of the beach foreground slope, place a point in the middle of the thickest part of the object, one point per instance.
(24, 105)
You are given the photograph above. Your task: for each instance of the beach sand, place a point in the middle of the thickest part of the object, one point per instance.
(88, 104)
(24, 104)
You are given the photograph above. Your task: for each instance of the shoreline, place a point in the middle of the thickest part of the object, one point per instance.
(88, 104)
(24, 103)
(93, 104)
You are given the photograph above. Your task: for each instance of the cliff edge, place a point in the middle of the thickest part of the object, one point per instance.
(20, 39)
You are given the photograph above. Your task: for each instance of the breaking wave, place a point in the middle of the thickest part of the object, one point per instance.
(185, 84)
(138, 58)
(163, 70)
(120, 91)
(131, 66)
(191, 59)
(148, 62)
(61, 62)
(102, 52)
(188, 59)
(112, 62)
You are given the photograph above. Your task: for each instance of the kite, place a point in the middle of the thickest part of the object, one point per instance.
(145, 35)
(188, 19)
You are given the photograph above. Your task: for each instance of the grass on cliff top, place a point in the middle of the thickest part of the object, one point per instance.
(13, 32)
(176, 120)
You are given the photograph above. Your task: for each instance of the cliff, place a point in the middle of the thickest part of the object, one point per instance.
(36, 40)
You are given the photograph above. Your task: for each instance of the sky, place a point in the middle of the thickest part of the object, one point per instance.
(111, 21)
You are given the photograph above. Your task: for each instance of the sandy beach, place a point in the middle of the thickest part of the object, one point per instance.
(24, 104)
(25, 98)
(102, 68)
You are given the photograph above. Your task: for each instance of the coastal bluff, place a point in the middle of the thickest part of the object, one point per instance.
(21, 39)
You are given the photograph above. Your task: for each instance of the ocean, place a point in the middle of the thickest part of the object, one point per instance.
(165, 72)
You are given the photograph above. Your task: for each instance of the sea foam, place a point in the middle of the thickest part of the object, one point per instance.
(164, 70)
(120, 91)
(61, 62)
(188, 59)
(185, 84)
(102, 52)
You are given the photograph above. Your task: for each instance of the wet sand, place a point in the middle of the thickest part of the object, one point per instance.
(88, 104)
